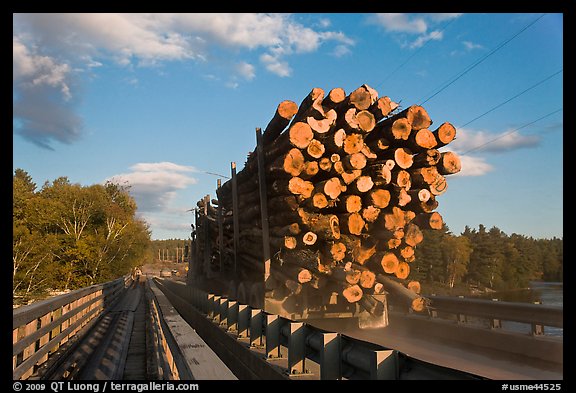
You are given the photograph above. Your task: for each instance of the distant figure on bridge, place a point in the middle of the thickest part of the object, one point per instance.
(136, 273)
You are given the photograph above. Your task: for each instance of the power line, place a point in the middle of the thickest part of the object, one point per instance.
(513, 131)
(482, 59)
(413, 54)
(510, 99)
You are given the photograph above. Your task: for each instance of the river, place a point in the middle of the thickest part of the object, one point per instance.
(548, 293)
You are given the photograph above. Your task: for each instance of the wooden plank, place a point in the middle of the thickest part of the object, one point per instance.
(201, 360)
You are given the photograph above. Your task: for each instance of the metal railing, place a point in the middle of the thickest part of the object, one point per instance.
(41, 328)
(337, 355)
(537, 316)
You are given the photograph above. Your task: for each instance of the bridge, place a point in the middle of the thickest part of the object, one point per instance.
(163, 329)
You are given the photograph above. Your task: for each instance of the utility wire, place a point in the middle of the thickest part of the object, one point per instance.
(413, 54)
(511, 132)
(512, 98)
(482, 59)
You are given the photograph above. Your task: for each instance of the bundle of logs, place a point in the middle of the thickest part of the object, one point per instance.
(351, 182)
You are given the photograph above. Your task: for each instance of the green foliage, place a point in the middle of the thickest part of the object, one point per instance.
(486, 258)
(67, 236)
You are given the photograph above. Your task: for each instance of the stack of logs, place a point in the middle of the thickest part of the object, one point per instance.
(351, 182)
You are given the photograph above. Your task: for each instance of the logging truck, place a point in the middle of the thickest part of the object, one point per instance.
(324, 217)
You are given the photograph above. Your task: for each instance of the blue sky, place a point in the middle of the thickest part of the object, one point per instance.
(165, 102)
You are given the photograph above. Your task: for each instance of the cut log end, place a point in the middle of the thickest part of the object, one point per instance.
(353, 293)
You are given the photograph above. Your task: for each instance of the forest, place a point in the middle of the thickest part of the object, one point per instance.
(67, 236)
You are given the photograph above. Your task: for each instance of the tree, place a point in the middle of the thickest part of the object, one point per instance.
(456, 251)
(68, 236)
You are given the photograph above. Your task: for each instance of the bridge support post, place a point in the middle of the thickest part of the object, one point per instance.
(256, 319)
(273, 336)
(243, 320)
(210, 306)
(223, 306)
(384, 364)
(216, 309)
(330, 357)
(232, 316)
(297, 348)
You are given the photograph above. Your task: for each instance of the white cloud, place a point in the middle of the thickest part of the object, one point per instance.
(154, 185)
(413, 24)
(246, 70)
(442, 16)
(275, 65)
(471, 140)
(43, 107)
(341, 50)
(401, 23)
(50, 47)
(31, 70)
(473, 166)
(470, 45)
(433, 35)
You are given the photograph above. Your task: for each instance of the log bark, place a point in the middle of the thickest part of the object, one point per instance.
(333, 141)
(406, 296)
(284, 113)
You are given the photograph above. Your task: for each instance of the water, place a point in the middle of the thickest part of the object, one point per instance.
(547, 293)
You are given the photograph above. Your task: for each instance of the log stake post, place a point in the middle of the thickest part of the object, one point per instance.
(207, 247)
(220, 229)
(263, 209)
(235, 213)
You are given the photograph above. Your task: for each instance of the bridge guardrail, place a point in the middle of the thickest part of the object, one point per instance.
(338, 356)
(41, 328)
(536, 315)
